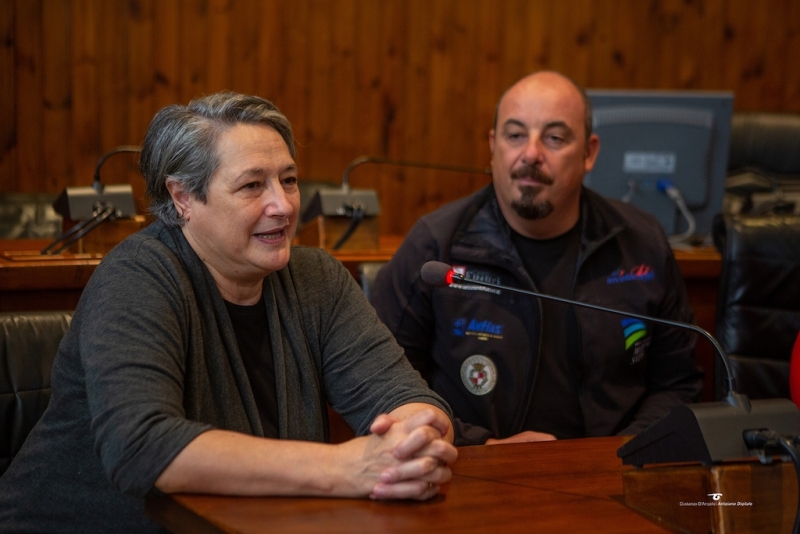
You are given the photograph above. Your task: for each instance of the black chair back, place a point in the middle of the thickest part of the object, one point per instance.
(367, 271)
(28, 345)
(758, 312)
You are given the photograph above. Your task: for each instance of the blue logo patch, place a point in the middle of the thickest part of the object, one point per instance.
(641, 273)
(481, 329)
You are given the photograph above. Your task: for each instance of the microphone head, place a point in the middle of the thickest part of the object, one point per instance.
(437, 274)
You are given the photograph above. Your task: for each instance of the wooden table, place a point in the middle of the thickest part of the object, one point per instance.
(561, 486)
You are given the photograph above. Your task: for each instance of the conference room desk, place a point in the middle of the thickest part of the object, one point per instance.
(560, 486)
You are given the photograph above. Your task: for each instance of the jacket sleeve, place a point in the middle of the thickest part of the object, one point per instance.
(672, 378)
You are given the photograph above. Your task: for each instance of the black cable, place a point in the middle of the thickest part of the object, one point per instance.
(791, 450)
(81, 229)
(358, 216)
(97, 185)
(768, 443)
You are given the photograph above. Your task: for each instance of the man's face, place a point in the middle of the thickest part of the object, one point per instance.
(244, 229)
(540, 155)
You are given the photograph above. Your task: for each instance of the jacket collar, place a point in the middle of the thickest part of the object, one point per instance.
(483, 227)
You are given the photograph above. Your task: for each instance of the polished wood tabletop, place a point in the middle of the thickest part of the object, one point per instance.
(559, 486)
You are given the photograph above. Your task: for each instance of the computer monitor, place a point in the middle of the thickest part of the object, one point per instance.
(651, 140)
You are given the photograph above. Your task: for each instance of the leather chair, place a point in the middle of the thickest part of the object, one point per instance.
(367, 271)
(763, 164)
(28, 345)
(758, 311)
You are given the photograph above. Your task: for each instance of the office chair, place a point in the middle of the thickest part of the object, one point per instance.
(758, 311)
(367, 271)
(763, 164)
(28, 345)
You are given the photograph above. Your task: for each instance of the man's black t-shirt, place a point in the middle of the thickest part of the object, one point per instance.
(554, 404)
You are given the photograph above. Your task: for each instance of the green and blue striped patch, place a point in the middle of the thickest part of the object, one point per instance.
(633, 330)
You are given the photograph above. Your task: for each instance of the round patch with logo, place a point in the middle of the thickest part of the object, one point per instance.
(479, 374)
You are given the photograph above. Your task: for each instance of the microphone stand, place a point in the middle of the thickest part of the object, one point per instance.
(357, 204)
(95, 205)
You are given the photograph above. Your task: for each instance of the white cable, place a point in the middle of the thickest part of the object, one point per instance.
(676, 196)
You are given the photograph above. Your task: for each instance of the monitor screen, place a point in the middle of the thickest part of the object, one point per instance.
(656, 143)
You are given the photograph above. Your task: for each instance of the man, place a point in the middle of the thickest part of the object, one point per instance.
(517, 368)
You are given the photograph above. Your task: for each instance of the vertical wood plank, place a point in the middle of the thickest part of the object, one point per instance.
(28, 15)
(167, 28)
(57, 80)
(243, 57)
(8, 99)
(219, 36)
(85, 91)
(790, 70)
(141, 91)
(114, 24)
(194, 54)
(745, 51)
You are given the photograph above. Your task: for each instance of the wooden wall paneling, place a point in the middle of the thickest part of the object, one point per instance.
(488, 85)
(789, 50)
(86, 90)
(572, 37)
(454, 107)
(356, 77)
(291, 80)
(272, 47)
(370, 114)
(141, 93)
(390, 40)
(244, 46)
(332, 89)
(414, 113)
(778, 58)
(667, 20)
(8, 98)
(745, 51)
(194, 54)
(30, 109)
(345, 99)
(705, 43)
(629, 61)
(219, 35)
(56, 149)
(531, 25)
(167, 29)
(113, 27)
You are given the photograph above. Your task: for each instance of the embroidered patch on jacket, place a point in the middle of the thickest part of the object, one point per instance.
(480, 276)
(639, 273)
(479, 374)
(635, 332)
(483, 330)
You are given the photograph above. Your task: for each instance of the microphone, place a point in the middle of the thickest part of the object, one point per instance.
(706, 432)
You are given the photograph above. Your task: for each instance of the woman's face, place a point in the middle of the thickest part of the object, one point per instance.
(244, 229)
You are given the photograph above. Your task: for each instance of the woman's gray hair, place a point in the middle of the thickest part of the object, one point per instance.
(181, 144)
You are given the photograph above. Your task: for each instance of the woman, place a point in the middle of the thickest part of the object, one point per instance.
(201, 345)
